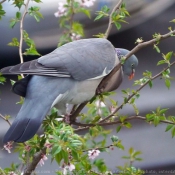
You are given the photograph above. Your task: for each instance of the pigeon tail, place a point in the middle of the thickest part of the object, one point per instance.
(27, 122)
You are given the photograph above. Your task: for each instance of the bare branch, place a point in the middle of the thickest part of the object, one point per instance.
(87, 126)
(2, 1)
(110, 18)
(21, 31)
(1, 116)
(36, 158)
(77, 111)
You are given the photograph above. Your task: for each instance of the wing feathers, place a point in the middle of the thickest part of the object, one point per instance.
(34, 68)
(83, 59)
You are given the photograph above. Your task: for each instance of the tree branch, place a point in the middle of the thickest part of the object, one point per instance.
(1, 116)
(110, 18)
(21, 31)
(36, 158)
(2, 1)
(87, 126)
(77, 111)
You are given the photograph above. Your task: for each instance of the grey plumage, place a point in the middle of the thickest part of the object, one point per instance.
(69, 74)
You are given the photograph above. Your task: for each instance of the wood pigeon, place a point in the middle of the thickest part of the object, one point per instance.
(68, 75)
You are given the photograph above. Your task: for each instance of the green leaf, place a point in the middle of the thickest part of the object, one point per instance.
(85, 11)
(12, 82)
(162, 111)
(14, 42)
(78, 28)
(114, 138)
(34, 11)
(168, 83)
(37, 1)
(131, 150)
(31, 51)
(18, 3)
(21, 101)
(161, 62)
(156, 120)
(118, 25)
(150, 84)
(169, 127)
(168, 56)
(65, 156)
(173, 20)
(99, 163)
(2, 79)
(18, 15)
(2, 12)
(55, 150)
(98, 17)
(173, 132)
(138, 159)
(75, 155)
(118, 128)
(96, 119)
(125, 157)
(105, 8)
(157, 48)
(136, 153)
(127, 124)
(119, 145)
(59, 157)
(13, 22)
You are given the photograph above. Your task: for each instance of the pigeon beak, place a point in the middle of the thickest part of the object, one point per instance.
(132, 75)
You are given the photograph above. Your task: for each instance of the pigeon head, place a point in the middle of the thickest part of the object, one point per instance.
(130, 64)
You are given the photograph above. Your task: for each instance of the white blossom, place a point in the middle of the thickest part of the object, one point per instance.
(93, 153)
(62, 10)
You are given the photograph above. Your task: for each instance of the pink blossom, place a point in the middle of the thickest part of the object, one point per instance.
(75, 36)
(112, 109)
(87, 3)
(27, 148)
(69, 167)
(62, 10)
(8, 146)
(48, 145)
(93, 153)
(41, 162)
(12, 173)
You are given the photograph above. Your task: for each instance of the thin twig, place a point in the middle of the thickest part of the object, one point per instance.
(5, 119)
(36, 158)
(98, 148)
(77, 111)
(21, 31)
(87, 126)
(141, 87)
(2, 1)
(110, 18)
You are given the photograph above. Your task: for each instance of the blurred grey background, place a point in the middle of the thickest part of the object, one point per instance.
(147, 17)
